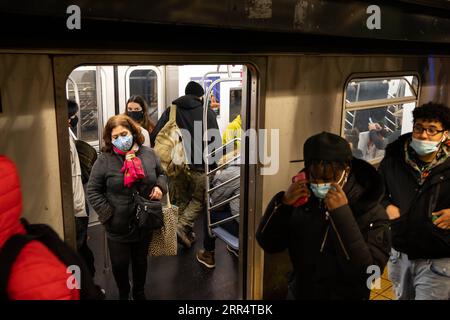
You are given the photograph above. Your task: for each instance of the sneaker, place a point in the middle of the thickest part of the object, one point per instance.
(183, 238)
(233, 251)
(206, 258)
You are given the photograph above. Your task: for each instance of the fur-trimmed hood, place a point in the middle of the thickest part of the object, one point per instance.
(364, 187)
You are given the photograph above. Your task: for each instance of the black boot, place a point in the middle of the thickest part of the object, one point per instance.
(124, 295)
(140, 295)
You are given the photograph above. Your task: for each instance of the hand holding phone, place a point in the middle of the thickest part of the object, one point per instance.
(298, 193)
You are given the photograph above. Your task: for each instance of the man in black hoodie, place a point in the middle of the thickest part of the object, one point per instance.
(416, 172)
(187, 189)
(340, 236)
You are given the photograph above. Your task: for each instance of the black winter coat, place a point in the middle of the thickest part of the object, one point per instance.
(330, 264)
(189, 110)
(414, 233)
(112, 201)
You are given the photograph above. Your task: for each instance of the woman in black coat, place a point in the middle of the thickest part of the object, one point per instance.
(340, 236)
(125, 166)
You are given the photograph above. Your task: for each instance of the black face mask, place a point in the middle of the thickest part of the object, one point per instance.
(136, 115)
(73, 122)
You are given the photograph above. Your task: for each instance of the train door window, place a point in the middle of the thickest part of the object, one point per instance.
(146, 82)
(235, 102)
(84, 86)
(376, 112)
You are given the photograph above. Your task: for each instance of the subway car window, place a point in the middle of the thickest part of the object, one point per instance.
(373, 89)
(145, 83)
(235, 102)
(377, 112)
(85, 85)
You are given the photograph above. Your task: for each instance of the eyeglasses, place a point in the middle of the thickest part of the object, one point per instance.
(431, 131)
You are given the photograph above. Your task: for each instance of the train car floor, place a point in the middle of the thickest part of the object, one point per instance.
(182, 277)
(173, 278)
(385, 292)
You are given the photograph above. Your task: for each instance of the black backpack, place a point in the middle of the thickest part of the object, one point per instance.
(46, 235)
(87, 156)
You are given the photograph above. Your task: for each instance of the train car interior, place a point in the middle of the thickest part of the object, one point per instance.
(285, 69)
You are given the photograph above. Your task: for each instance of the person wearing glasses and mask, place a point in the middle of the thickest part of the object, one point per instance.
(416, 172)
(331, 222)
(137, 109)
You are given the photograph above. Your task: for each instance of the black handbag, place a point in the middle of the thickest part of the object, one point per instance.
(149, 213)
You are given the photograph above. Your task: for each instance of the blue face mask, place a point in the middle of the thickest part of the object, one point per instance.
(424, 147)
(124, 143)
(320, 190)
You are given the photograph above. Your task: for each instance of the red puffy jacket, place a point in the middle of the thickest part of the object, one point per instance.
(37, 274)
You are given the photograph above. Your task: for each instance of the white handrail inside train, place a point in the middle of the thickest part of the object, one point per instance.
(225, 202)
(223, 146)
(224, 220)
(217, 73)
(223, 165)
(205, 140)
(225, 183)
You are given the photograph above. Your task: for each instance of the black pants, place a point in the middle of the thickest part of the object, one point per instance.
(82, 247)
(232, 227)
(121, 255)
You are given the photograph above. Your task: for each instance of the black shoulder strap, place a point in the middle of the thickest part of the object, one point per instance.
(49, 238)
(8, 255)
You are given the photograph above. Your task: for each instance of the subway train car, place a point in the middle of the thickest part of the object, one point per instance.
(290, 68)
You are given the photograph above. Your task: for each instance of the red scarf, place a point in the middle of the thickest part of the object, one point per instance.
(132, 166)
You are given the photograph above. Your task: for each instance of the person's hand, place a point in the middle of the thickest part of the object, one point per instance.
(393, 212)
(296, 190)
(443, 221)
(335, 198)
(156, 194)
(374, 126)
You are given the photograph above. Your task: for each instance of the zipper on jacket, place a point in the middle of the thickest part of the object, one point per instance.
(324, 239)
(275, 209)
(325, 236)
(338, 235)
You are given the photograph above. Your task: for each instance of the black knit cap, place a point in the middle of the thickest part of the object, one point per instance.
(326, 146)
(72, 107)
(194, 88)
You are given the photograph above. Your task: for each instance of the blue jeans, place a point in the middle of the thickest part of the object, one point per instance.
(419, 279)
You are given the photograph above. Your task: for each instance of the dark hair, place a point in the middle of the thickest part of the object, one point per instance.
(146, 122)
(126, 122)
(327, 169)
(433, 112)
(72, 107)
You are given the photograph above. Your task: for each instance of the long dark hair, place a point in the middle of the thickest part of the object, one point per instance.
(146, 122)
